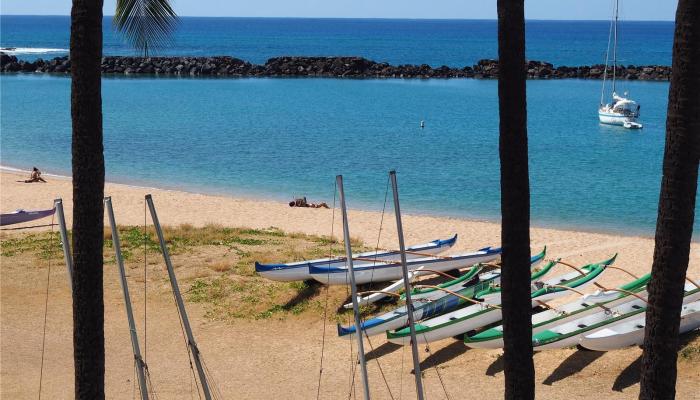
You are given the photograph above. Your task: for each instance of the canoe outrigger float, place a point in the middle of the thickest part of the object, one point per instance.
(478, 315)
(584, 305)
(370, 271)
(570, 333)
(427, 308)
(299, 271)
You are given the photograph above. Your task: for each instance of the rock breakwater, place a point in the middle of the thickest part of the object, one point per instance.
(330, 67)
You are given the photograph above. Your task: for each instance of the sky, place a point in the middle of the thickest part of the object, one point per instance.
(655, 10)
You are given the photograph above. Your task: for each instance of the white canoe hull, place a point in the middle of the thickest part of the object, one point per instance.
(609, 298)
(631, 332)
(299, 271)
(383, 273)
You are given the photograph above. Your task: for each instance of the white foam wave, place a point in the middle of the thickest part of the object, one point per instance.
(31, 50)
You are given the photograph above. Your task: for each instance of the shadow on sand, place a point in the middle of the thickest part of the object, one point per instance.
(382, 350)
(629, 376)
(312, 289)
(443, 355)
(496, 366)
(573, 364)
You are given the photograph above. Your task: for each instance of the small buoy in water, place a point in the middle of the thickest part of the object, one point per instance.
(422, 124)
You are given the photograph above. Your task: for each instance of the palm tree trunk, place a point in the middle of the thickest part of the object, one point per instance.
(674, 226)
(515, 202)
(88, 192)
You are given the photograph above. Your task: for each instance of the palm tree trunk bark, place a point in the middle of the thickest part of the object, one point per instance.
(515, 202)
(674, 226)
(88, 193)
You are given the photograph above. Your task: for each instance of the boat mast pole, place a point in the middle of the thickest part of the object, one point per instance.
(607, 59)
(617, 5)
(353, 287)
(58, 203)
(140, 364)
(407, 287)
(178, 300)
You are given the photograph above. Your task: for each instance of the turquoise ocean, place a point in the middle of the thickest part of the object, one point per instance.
(280, 138)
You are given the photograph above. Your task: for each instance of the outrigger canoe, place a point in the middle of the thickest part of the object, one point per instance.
(427, 308)
(630, 331)
(478, 315)
(463, 281)
(584, 305)
(468, 278)
(367, 272)
(299, 271)
(20, 216)
(570, 333)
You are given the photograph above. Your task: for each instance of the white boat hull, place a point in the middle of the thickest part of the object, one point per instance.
(382, 273)
(631, 332)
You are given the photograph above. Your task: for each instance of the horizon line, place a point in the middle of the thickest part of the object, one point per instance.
(359, 18)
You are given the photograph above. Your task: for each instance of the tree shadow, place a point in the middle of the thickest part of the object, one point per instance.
(382, 350)
(629, 376)
(573, 364)
(496, 366)
(312, 288)
(444, 355)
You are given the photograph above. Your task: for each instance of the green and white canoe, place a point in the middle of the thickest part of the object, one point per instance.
(478, 315)
(584, 305)
(466, 280)
(569, 334)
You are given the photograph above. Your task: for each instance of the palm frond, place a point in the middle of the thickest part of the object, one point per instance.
(146, 24)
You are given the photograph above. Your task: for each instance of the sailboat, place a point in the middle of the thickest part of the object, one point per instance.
(621, 110)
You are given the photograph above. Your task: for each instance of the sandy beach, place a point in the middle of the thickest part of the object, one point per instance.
(279, 358)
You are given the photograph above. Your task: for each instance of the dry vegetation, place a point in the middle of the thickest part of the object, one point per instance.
(220, 269)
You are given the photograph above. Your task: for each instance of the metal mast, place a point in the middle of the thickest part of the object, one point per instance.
(407, 286)
(617, 4)
(58, 203)
(140, 364)
(353, 287)
(178, 299)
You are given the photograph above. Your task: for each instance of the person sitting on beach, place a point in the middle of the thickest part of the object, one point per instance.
(301, 202)
(35, 177)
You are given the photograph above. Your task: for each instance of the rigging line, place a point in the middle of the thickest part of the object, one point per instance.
(325, 307)
(46, 312)
(403, 353)
(381, 371)
(133, 386)
(379, 235)
(145, 286)
(607, 59)
(210, 377)
(189, 352)
(437, 371)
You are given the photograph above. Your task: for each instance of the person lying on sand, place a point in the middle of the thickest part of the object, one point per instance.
(301, 202)
(35, 177)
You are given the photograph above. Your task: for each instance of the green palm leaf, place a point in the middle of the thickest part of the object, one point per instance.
(146, 24)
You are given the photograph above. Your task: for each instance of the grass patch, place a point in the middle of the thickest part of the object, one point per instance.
(215, 265)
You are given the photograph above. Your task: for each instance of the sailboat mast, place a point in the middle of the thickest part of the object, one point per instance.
(178, 300)
(353, 288)
(58, 203)
(617, 7)
(140, 364)
(407, 287)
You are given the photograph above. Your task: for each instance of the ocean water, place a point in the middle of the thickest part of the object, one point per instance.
(434, 42)
(280, 138)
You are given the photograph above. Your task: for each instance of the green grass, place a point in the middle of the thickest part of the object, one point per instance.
(228, 286)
